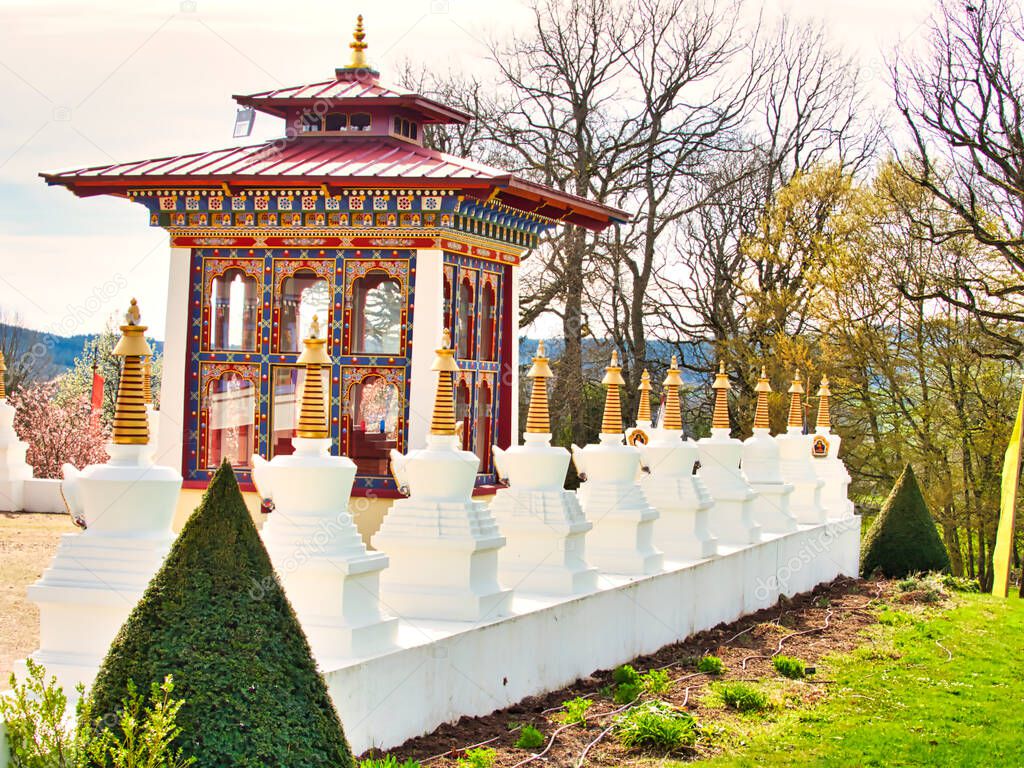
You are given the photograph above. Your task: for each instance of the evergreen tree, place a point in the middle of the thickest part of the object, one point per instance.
(903, 538)
(216, 618)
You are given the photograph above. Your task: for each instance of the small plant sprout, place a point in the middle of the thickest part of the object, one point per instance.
(656, 725)
(743, 697)
(710, 665)
(530, 738)
(626, 675)
(575, 710)
(656, 682)
(481, 757)
(789, 666)
(388, 761)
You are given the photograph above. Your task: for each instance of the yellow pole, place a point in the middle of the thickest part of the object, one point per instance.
(1001, 556)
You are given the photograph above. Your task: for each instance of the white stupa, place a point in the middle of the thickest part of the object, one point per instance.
(762, 466)
(622, 539)
(827, 465)
(733, 518)
(442, 545)
(126, 505)
(331, 579)
(14, 470)
(679, 495)
(543, 524)
(795, 451)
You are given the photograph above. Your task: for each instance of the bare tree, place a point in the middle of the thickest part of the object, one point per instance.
(964, 106)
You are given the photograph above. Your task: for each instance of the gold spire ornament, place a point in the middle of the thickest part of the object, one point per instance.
(131, 425)
(3, 371)
(720, 417)
(761, 419)
(538, 418)
(643, 409)
(672, 414)
(312, 406)
(611, 422)
(358, 46)
(147, 379)
(442, 421)
(824, 406)
(796, 406)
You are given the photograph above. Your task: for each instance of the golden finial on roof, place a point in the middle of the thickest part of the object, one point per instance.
(672, 413)
(720, 416)
(761, 419)
(358, 46)
(131, 425)
(824, 410)
(538, 418)
(442, 421)
(796, 406)
(3, 370)
(313, 403)
(611, 421)
(643, 409)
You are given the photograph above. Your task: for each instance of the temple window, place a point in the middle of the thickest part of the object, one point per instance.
(483, 426)
(377, 304)
(235, 304)
(466, 325)
(312, 122)
(231, 411)
(402, 127)
(360, 121)
(284, 405)
(336, 121)
(303, 295)
(373, 412)
(462, 418)
(487, 323)
(448, 307)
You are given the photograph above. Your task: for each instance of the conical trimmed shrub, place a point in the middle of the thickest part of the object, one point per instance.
(903, 538)
(216, 618)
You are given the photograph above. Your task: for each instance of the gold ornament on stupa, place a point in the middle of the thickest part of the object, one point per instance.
(672, 414)
(131, 425)
(643, 408)
(720, 416)
(442, 421)
(761, 418)
(611, 422)
(538, 418)
(312, 405)
(147, 379)
(824, 420)
(3, 371)
(358, 46)
(796, 405)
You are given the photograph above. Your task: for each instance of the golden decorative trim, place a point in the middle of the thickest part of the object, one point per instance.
(761, 416)
(442, 420)
(538, 418)
(720, 417)
(131, 424)
(643, 409)
(796, 407)
(824, 420)
(611, 420)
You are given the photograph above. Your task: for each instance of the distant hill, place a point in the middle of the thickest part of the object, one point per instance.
(659, 352)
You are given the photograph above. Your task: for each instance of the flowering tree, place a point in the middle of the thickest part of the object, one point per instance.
(57, 431)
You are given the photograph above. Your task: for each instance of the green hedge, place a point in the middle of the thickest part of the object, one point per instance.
(903, 539)
(216, 618)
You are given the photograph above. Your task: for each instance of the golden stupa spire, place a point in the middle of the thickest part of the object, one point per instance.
(312, 406)
(824, 411)
(147, 379)
(611, 422)
(643, 409)
(672, 413)
(442, 422)
(720, 417)
(3, 370)
(358, 46)
(761, 420)
(131, 425)
(538, 419)
(796, 406)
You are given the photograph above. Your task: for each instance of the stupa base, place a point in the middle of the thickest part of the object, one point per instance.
(772, 507)
(622, 539)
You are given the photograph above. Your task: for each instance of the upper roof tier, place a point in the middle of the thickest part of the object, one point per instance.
(351, 131)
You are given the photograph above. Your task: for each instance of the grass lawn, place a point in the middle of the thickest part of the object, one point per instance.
(930, 687)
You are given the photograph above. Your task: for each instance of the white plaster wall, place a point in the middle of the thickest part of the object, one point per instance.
(172, 384)
(427, 324)
(514, 341)
(42, 495)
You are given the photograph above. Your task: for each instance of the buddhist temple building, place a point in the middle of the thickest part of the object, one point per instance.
(352, 218)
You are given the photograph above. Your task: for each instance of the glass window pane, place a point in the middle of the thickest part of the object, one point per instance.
(466, 325)
(231, 420)
(302, 296)
(487, 323)
(373, 410)
(284, 406)
(234, 310)
(483, 427)
(462, 420)
(377, 314)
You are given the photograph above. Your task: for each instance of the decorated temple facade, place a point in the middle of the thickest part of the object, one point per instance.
(351, 218)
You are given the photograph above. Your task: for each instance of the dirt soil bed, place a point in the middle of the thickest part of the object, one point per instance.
(830, 619)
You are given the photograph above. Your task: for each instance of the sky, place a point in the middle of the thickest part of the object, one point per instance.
(92, 83)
